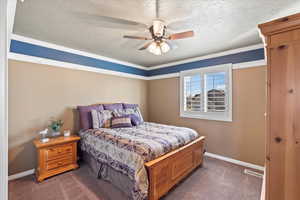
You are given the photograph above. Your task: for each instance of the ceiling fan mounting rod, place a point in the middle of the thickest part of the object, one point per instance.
(157, 9)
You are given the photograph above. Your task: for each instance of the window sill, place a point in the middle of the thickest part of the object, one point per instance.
(207, 117)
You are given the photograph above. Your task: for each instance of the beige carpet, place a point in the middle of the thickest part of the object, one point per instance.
(216, 180)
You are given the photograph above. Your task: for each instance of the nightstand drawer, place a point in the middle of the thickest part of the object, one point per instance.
(58, 151)
(58, 163)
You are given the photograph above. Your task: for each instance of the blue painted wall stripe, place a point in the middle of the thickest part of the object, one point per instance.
(247, 56)
(53, 54)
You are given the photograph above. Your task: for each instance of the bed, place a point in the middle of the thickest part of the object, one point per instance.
(143, 161)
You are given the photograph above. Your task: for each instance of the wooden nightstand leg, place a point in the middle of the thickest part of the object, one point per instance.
(39, 178)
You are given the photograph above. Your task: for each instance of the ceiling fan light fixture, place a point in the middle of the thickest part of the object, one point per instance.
(158, 48)
(154, 48)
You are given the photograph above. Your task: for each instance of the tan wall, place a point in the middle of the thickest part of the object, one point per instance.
(39, 92)
(244, 138)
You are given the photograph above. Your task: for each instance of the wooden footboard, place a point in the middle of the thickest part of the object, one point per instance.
(167, 170)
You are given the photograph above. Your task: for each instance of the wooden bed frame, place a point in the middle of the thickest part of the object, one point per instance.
(169, 169)
(166, 171)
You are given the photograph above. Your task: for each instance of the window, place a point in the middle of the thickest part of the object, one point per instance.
(205, 93)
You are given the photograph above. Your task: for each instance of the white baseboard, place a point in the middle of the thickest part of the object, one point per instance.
(20, 175)
(253, 173)
(237, 162)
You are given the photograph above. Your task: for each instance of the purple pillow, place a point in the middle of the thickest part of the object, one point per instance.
(127, 105)
(135, 120)
(113, 106)
(121, 122)
(86, 121)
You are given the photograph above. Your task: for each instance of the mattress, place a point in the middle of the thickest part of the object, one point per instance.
(125, 150)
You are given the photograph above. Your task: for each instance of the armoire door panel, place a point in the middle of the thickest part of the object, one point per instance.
(293, 157)
(291, 187)
(278, 92)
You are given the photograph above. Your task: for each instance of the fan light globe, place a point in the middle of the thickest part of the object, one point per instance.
(164, 47)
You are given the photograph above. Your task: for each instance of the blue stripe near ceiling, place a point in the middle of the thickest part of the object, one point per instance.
(246, 56)
(53, 54)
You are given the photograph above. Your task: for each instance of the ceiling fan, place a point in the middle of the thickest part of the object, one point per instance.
(159, 41)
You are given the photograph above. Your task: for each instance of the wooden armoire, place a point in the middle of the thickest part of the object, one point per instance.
(282, 39)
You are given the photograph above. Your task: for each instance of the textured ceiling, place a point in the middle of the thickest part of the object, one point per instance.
(218, 24)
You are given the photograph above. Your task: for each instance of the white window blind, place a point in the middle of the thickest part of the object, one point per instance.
(193, 93)
(206, 93)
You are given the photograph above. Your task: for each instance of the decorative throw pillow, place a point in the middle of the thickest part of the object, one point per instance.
(135, 107)
(121, 122)
(127, 105)
(101, 119)
(85, 116)
(113, 106)
(119, 112)
(136, 112)
(135, 120)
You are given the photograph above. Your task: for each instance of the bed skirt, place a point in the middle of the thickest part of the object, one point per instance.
(105, 172)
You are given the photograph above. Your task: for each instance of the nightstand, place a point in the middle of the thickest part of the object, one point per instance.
(56, 156)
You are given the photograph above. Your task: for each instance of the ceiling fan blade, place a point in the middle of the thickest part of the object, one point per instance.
(121, 21)
(181, 35)
(132, 44)
(145, 46)
(110, 22)
(136, 37)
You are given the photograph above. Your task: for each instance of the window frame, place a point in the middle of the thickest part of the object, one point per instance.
(216, 116)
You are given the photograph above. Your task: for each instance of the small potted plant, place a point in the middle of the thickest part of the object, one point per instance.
(55, 126)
